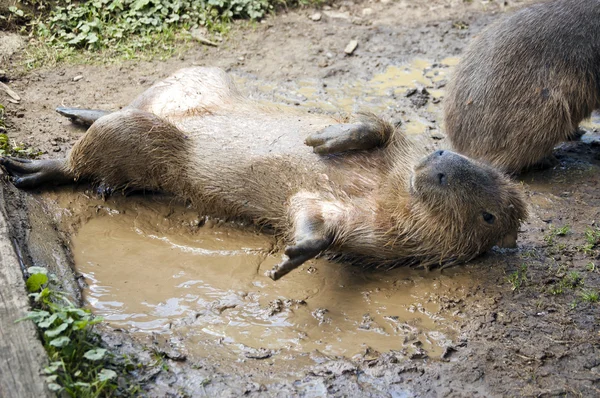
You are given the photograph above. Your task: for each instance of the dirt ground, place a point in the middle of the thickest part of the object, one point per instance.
(515, 321)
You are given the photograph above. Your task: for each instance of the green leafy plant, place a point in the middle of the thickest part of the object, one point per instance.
(101, 24)
(21, 150)
(78, 366)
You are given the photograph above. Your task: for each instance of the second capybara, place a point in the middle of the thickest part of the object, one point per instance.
(525, 83)
(195, 136)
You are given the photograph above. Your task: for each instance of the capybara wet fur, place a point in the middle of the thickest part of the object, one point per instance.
(195, 136)
(525, 83)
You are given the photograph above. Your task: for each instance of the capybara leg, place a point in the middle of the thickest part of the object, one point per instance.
(342, 138)
(85, 117)
(33, 173)
(314, 222)
(370, 133)
(298, 254)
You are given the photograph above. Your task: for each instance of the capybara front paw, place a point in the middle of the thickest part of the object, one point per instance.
(343, 137)
(297, 255)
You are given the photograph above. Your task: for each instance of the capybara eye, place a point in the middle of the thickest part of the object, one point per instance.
(488, 218)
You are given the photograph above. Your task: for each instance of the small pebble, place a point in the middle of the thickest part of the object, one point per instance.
(351, 47)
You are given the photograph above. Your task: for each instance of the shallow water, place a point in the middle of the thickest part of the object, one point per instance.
(150, 273)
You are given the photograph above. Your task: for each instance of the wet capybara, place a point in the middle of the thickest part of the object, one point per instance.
(525, 83)
(195, 136)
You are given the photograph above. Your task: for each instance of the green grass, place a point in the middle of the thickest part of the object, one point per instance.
(590, 296)
(107, 30)
(517, 278)
(571, 280)
(13, 149)
(554, 232)
(592, 240)
(79, 366)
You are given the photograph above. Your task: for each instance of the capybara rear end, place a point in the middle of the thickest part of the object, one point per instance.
(525, 83)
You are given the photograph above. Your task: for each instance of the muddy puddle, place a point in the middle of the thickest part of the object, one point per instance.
(154, 267)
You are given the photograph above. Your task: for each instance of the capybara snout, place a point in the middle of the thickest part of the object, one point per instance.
(471, 193)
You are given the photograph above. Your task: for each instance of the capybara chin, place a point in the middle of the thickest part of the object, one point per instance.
(196, 137)
(525, 83)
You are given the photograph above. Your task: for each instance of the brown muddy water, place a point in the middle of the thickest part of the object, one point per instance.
(150, 268)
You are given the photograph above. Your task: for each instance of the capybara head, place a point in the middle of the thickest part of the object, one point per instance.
(477, 205)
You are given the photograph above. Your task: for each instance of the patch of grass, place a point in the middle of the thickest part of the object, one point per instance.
(8, 149)
(592, 240)
(570, 281)
(18, 150)
(591, 266)
(79, 366)
(553, 232)
(518, 278)
(590, 296)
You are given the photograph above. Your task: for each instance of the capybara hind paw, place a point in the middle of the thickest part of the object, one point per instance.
(84, 117)
(28, 173)
(298, 255)
(344, 137)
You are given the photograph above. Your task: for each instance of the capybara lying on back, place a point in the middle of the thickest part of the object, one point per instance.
(525, 83)
(196, 137)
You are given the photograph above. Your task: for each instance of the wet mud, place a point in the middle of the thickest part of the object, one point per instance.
(186, 294)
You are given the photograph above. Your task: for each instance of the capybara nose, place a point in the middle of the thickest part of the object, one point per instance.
(442, 179)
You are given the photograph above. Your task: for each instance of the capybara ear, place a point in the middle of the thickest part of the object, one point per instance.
(509, 241)
(517, 213)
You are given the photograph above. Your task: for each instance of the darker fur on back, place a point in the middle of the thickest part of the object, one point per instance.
(525, 83)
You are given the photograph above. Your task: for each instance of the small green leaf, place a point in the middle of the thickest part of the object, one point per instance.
(60, 341)
(51, 379)
(95, 354)
(52, 368)
(37, 270)
(81, 384)
(56, 331)
(35, 282)
(48, 322)
(96, 320)
(107, 374)
(54, 387)
(36, 316)
(78, 311)
(78, 325)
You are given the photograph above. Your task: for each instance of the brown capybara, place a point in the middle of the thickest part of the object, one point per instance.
(525, 83)
(195, 136)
